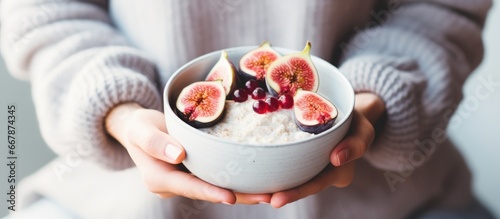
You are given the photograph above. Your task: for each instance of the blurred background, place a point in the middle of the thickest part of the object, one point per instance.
(476, 129)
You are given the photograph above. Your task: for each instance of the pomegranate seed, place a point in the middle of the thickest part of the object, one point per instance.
(258, 94)
(286, 101)
(272, 104)
(260, 107)
(240, 95)
(251, 85)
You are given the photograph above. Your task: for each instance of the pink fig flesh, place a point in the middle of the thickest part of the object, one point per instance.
(201, 104)
(292, 72)
(256, 62)
(313, 113)
(225, 72)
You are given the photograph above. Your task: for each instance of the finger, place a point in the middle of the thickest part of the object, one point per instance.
(356, 143)
(159, 145)
(189, 186)
(370, 105)
(166, 180)
(251, 199)
(336, 176)
(151, 138)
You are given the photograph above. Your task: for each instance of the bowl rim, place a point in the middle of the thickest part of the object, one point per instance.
(284, 51)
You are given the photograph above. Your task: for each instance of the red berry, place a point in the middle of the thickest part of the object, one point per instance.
(286, 101)
(260, 107)
(272, 104)
(258, 94)
(240, 95)
(251, 85)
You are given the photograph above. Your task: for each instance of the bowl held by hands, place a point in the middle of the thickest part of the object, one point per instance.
(251, 168)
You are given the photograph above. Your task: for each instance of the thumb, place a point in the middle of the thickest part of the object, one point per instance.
(150, 135)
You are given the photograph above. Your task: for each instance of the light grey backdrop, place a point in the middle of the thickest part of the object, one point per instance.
(476, 128)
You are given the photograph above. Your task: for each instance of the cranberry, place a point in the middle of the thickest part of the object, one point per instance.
(272, 104)
(286, 101)
(260, 107)
(240, 95)
(258, 94)
(251, 85)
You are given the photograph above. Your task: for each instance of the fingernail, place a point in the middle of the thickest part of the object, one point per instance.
(172, 152)
(342, 156)
(226, 203)
(261, 202)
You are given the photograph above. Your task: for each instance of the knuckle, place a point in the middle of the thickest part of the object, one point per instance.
(347, 178)
(149, 141)
(165, 195)
(161, 195)
(345, 181)
(152, 184)
(358, 147)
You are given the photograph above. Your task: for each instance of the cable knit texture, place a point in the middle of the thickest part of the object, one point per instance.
(84, 57)
(80, 68)
(417, 72)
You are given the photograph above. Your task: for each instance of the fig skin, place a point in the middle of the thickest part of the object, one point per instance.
(200, 125)
(292, 72)
(315, 129)
(224, 71)
(324, 118)
(194, 98)
(261, 57)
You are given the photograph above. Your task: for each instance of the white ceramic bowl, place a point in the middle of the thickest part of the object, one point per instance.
(257, 168)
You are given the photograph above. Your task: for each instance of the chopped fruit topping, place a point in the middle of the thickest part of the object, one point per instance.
(258, 94)
(260, 107)
(255, 63)
(286, 101)
(292, 72)
(272, 104)
(313, 113)
(291, 80)
(250, 85)
(201, 104)
(240, 95)
(225, 72)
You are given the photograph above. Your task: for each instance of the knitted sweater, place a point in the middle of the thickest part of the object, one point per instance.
(85, 57)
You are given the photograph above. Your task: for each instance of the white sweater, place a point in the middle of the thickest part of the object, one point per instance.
(84, 57)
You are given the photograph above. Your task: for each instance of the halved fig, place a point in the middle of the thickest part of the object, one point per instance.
(224, 71)
(292, 72)
(201, 104)
(254, 64)
(313, 113)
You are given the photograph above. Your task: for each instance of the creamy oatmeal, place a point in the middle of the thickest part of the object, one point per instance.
(241, 124)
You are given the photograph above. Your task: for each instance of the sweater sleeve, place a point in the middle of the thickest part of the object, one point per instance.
(79, 68)
(416, 59)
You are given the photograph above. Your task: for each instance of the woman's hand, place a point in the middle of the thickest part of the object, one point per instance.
(144, 134)
(367, 111)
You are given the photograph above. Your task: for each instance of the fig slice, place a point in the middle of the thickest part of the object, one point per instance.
(201, 104)
(292, 72)
(313, 113)
(254, 64)
(224, 71)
